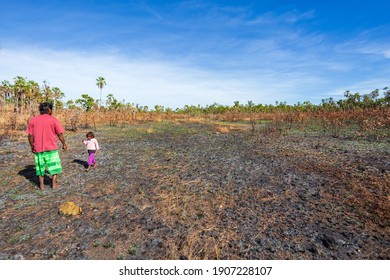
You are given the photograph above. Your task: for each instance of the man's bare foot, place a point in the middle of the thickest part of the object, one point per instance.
(94, 166)
(41, 182)
(54, 183)
(56, 186)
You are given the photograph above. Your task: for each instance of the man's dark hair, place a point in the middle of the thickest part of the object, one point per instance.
(44, 107)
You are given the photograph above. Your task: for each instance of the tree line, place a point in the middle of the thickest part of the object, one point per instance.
(25, 94)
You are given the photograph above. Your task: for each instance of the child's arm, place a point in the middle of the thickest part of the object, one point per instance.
(97, 146)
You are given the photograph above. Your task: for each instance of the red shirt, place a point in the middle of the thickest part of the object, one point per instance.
(44, 128)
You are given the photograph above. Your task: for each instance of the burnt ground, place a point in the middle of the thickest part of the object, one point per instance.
(187, 191)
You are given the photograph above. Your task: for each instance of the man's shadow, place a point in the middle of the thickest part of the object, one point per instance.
(29, 173)
(81, 162)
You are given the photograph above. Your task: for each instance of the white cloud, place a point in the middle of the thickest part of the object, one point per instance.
(138, 81)
(368, 42)
(173, 84)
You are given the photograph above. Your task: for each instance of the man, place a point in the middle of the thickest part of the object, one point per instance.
(43, 131)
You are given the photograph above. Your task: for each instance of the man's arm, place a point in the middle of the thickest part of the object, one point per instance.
(62, 139)
(31, 141)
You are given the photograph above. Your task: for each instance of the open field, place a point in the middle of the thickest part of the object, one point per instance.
(180, 190)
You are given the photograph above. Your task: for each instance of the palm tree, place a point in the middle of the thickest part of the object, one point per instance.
(5, 91)
(100, 82)
(57, 94)
(32, 94)
(47, 92)
(20, 89)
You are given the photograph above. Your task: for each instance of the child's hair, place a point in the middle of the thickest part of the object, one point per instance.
(90, 134)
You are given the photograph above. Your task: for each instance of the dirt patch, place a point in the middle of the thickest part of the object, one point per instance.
(194, 191)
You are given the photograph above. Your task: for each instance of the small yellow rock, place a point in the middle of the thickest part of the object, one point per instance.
(69, 208)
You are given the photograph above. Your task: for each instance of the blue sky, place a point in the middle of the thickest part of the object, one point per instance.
(176, 53)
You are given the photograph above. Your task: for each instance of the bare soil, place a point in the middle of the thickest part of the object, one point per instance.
(187, 191)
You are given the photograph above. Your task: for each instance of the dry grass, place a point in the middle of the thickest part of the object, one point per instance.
(368, 120)
(203, 189)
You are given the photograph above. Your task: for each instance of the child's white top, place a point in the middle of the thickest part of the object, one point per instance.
(92, 144)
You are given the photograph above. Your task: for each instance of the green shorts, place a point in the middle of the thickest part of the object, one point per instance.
(51, 160)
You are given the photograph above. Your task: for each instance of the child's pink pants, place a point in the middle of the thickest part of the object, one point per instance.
(91, 159)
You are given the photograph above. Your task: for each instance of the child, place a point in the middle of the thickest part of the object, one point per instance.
(93, 148)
